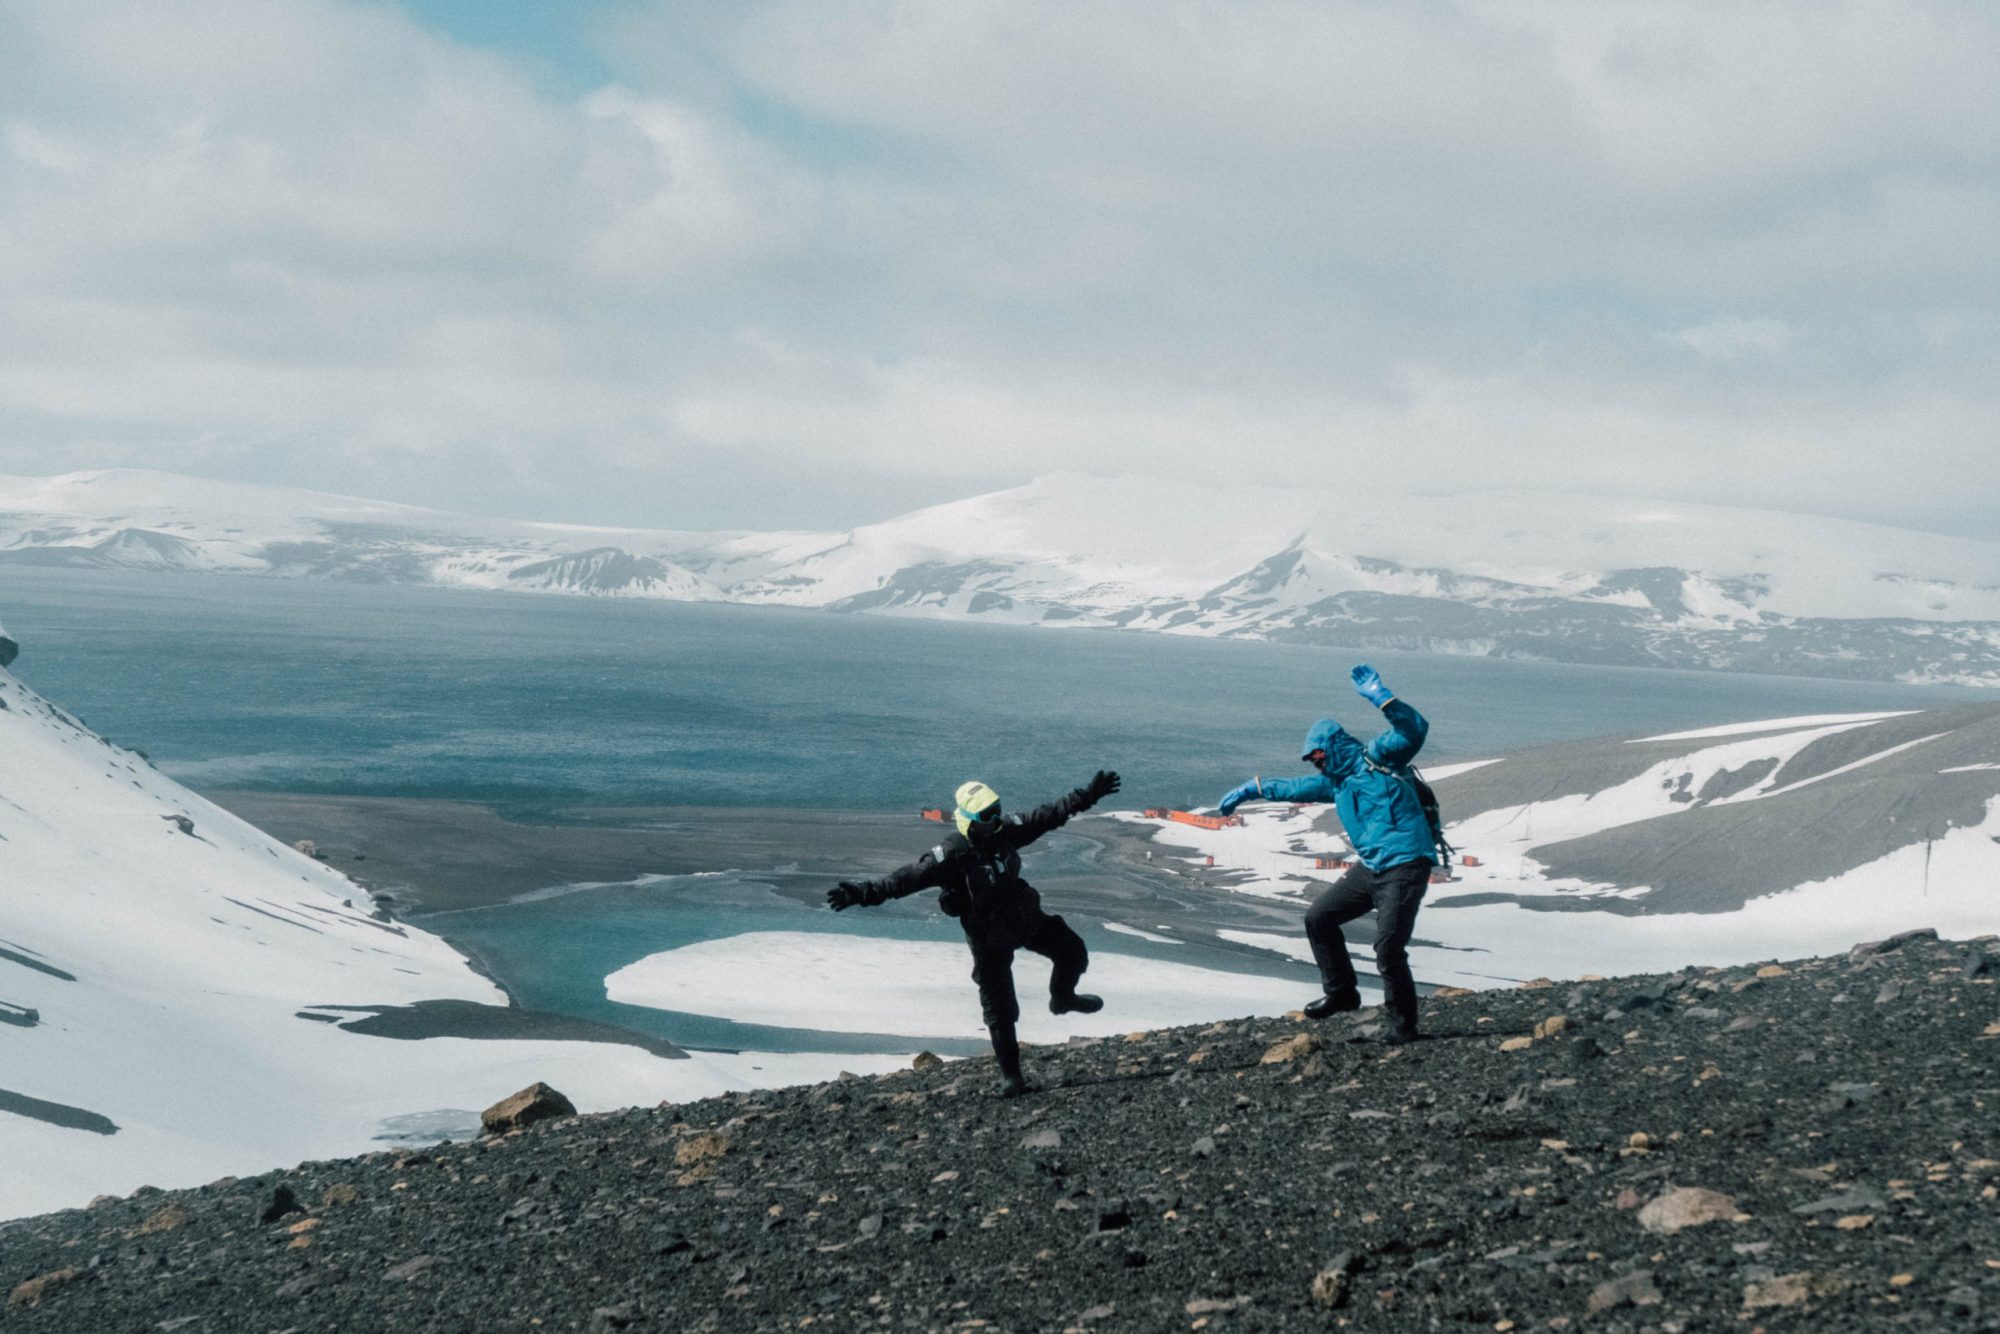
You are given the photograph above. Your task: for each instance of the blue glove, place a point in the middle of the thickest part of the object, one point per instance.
(1236, 796)
(1370, 686)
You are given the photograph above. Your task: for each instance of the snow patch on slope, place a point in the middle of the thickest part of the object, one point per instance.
(917, 988)
(155, 955)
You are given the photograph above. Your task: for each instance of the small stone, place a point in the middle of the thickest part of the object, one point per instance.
(605, 1319)
(1043, 1139)
(31, 1292)
(1639, 1140)
(698, 1153)
(163, 1220)
(1852, 1200)
(1685, 1207)
(870, 1227)
(944, 1176)
(1330, 1286)
(340, 1195)
(1633, 1289)
(1517, 1044)
(1537, 984)
(1101, 1312)
(1551, 1026)
(1792, 1290)
(1774, 970)
(280, 1202)
(1204, 1147)
(537, 1102)
(1291, 1049)
(1853, 1222)
(1901, 1280)
(1871, 949)
(926, 1060)
(1890, 993)
(409, 1269)
(1216, 1306)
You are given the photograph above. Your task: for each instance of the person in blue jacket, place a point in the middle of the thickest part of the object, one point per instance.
(1393, 845)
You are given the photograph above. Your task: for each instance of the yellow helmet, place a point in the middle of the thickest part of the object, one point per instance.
(977, 804)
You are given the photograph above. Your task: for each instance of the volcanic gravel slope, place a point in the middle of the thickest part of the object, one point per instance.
(1812, 1145)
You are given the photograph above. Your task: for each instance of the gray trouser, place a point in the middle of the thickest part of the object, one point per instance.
(1394, 895)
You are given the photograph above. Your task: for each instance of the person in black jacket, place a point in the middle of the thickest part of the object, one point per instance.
(979, 871)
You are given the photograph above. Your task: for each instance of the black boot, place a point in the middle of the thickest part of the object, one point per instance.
(1332, 1003)
(1075, 1003)
(1007, 1052)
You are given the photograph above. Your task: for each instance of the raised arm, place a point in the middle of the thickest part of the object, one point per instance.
(926, 872)
(1407, 728)
(1022, 830)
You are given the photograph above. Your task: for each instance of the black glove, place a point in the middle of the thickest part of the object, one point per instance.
(1101, 785)
(846, 894)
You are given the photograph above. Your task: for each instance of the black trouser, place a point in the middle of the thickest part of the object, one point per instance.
(1394, 895)
(993, 961)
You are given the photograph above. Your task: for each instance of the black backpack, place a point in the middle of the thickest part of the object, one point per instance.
(1427, 798)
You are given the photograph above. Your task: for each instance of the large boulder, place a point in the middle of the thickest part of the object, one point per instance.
(537, 1102)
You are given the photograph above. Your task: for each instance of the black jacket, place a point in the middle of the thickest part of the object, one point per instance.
(981, 881)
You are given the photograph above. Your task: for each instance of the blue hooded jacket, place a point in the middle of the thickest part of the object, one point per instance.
(1380, 811)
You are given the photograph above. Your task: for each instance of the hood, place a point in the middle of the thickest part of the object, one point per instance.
(1343, 752)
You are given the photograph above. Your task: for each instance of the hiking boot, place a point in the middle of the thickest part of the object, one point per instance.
(1075, 1003)
(1332, 1003)
(1007, 1055)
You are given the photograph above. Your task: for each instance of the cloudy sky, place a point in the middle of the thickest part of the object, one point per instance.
(789, 262)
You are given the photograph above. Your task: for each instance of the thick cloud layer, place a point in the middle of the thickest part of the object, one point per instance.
(816, 262)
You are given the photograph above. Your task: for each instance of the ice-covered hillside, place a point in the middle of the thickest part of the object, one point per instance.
(172, 985)
(1710, 847)
(1569, 578)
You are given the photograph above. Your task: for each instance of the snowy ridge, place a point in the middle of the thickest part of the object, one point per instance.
(1718, 847)
(171, 984)
(1562, 577)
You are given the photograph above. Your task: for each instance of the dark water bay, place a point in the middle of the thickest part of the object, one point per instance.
(537, 702)
(541, 704)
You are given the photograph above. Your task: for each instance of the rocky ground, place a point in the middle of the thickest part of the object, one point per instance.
(1807, 1145)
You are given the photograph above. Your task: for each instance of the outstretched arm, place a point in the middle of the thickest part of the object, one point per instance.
(1407, 727)
(923, 873)
(1311, 787)
(1025, 829)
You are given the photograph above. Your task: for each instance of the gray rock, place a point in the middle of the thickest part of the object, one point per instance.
(1855, 1199)
(1634, 1289)
(1873, 948)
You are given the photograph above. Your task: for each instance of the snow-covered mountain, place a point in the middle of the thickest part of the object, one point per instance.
(1720, 846)
(1561, 577)
(181, 997)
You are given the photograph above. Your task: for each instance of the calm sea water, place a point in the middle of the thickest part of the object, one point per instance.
(532, 702)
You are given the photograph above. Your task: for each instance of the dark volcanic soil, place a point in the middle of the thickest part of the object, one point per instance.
(1811, 1146)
